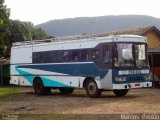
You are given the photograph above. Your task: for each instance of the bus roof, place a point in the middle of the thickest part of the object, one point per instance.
(70, 39)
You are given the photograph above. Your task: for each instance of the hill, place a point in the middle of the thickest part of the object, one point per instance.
(90, 25)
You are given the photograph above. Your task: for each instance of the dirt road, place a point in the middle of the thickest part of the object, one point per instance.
(137, 101)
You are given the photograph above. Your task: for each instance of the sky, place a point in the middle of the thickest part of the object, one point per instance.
(40, 11)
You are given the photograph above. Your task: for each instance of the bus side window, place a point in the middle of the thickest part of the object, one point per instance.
(56, 56)
(40, 57)
(71, 56)
(75, 56)
(66, 56)
(85, 55)
(34, 58)
(95, 54)
(106, 54)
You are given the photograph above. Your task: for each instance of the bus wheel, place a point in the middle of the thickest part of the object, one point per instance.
(66, 90)
(92, 89)
(39, 88)
(120, 92)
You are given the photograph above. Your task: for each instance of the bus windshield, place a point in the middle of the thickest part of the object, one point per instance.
(140, 55)
(130, 54)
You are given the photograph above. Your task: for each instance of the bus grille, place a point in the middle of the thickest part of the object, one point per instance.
(136, 78)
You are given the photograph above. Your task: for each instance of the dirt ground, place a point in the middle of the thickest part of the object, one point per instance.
(78, 105)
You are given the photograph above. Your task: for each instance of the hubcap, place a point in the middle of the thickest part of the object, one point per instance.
(91, 88)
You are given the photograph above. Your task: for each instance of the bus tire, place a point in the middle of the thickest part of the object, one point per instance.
(92, 89)
(120, 93)
(39, 88)
(64, 90)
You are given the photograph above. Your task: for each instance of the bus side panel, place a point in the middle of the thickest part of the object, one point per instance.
(20, 56)
(62, 81)
(20, 77)
(72, 80)
(14, 75)
(66, 74)
(106, 82)
(25, 76)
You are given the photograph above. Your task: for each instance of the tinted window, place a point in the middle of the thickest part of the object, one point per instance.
(107, 57)
(95, 54)
(85, 55)
(66, 56)
(47, 57)
(57, 56)
(71, 56)
(75, 56)
(38, 57)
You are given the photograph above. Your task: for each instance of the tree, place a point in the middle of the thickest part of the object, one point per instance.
(20, 31)
(15, 31)
(4, 27)
(23, 31)
(39, 34)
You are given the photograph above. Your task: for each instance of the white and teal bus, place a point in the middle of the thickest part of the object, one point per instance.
(118, 63)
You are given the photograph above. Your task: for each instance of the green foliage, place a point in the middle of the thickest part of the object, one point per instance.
(4, 27)
(38, 34)
(15, 31)
(25, 31)
(1, 22)
(20, 31)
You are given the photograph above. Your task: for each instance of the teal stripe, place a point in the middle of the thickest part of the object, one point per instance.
(52, 83)
(29, 77)
(46, 81)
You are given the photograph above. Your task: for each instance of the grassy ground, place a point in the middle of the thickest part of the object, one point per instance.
(8, 90)
(22, 104)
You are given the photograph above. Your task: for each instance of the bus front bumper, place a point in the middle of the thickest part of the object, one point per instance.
(132, 85)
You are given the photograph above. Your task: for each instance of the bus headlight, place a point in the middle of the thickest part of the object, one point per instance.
(147, 77)
(120, 78)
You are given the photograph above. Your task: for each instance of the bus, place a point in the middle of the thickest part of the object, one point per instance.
(117, 62)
